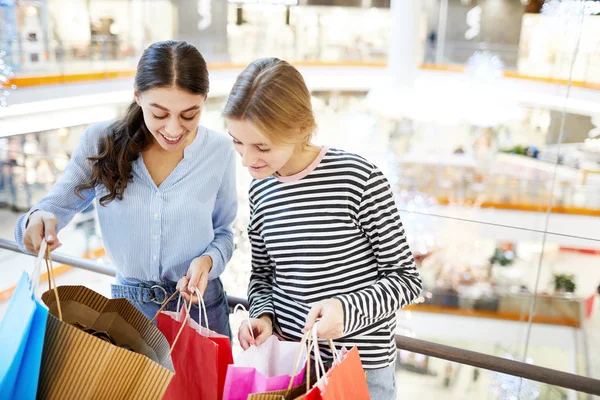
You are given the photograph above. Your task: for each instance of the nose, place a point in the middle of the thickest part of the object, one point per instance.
(248, 157)
(173, 128)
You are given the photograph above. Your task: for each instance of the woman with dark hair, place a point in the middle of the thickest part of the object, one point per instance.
(165, 187)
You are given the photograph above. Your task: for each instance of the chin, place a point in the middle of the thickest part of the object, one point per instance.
(261, 174)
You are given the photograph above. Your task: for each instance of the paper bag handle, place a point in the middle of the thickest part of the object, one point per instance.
(164, 304)
(305, 338)
(162, 307)
(183, 324)
(247, 320)
(35, 274)
(52, 280)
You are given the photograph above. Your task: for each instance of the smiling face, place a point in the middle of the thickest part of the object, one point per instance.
(261, 157)
(171, 115)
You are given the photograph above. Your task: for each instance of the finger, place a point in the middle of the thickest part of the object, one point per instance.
(194, 279)
(185, 296)
(182, 284)
(243, 338)
(323, 331)
(36, 242)
(203, 283)
(312, 316)
(55, 246)
(28, 243)
(50, 224)
(262, 337)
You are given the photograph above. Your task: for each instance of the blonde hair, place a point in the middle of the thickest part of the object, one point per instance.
(272, 95)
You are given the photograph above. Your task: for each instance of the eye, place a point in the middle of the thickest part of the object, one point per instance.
(264, 150)
(236, 142)
(160, 117)
(189, 118)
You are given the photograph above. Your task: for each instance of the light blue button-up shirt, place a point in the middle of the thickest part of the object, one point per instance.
(154, 233)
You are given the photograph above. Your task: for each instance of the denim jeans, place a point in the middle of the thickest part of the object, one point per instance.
(382, 383)
(148, 297)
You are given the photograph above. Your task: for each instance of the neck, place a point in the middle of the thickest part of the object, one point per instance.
(303, 156)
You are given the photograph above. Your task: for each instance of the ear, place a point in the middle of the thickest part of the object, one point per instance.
(136, 96)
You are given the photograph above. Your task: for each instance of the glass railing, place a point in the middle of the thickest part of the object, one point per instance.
(435, 370)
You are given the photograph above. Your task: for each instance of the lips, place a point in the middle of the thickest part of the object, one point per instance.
(170, 140)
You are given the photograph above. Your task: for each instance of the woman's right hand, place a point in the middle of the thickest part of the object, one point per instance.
(41, 225)
(262, 328)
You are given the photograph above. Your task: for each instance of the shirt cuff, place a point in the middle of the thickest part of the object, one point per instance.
(217, 263)
(24, 223)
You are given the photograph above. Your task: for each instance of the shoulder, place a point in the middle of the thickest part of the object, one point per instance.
(347, 161)
(91, 137)
(98, 130)
(218, 141)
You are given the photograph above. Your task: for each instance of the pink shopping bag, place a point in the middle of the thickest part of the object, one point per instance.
(265, 368)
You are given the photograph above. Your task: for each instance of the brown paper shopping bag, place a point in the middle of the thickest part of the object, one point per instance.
(78, 365)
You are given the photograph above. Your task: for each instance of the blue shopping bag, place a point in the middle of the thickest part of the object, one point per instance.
(22, 338)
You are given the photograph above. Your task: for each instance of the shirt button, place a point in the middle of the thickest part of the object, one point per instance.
(155, 215)
(156, 238)
(155, 258)
(157, 194)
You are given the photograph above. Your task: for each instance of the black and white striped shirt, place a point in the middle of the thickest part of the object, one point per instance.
(332, 231)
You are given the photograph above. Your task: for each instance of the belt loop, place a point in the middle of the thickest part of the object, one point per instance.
(164, 292)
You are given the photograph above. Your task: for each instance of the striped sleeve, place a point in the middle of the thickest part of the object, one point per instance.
(398, 282)
(260, 289)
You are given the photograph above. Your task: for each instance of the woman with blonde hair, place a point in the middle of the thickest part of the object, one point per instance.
(327, 240)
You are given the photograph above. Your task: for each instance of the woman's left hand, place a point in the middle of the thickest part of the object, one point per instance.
(196, 277)
(331, 319)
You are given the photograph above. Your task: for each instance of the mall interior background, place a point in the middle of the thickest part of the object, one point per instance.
(484, 114)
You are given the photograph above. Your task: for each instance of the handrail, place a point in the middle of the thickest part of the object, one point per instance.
(91, 266)
(499, 364)
(437, 350)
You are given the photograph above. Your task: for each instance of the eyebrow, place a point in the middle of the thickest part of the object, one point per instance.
(256, 144)
(166, 109)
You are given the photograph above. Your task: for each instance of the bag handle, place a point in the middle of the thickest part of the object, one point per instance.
(319, 365)
(35, 273)
(164, 304)
(247, 320)
(303, 341)
(183, 324)
(188, 309)
(51, 277)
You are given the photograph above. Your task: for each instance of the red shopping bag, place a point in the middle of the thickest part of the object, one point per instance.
(200, 356)
(344, 380)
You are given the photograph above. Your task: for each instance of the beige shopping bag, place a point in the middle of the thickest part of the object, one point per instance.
(79, 365)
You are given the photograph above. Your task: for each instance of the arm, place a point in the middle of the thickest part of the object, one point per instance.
(260, 289)
(62, 201)
(221, 248)
(398, 282)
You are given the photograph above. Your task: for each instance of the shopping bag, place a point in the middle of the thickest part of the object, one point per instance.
(200, 356)
(100, 348)
(265, 368)
(294, 390)
(345, 379)
(22, 337)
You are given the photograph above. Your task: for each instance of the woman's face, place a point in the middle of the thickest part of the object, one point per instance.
(172, 115)
(261, 157)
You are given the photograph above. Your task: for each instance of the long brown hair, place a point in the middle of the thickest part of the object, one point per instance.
(272, 95)
(163, 64)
